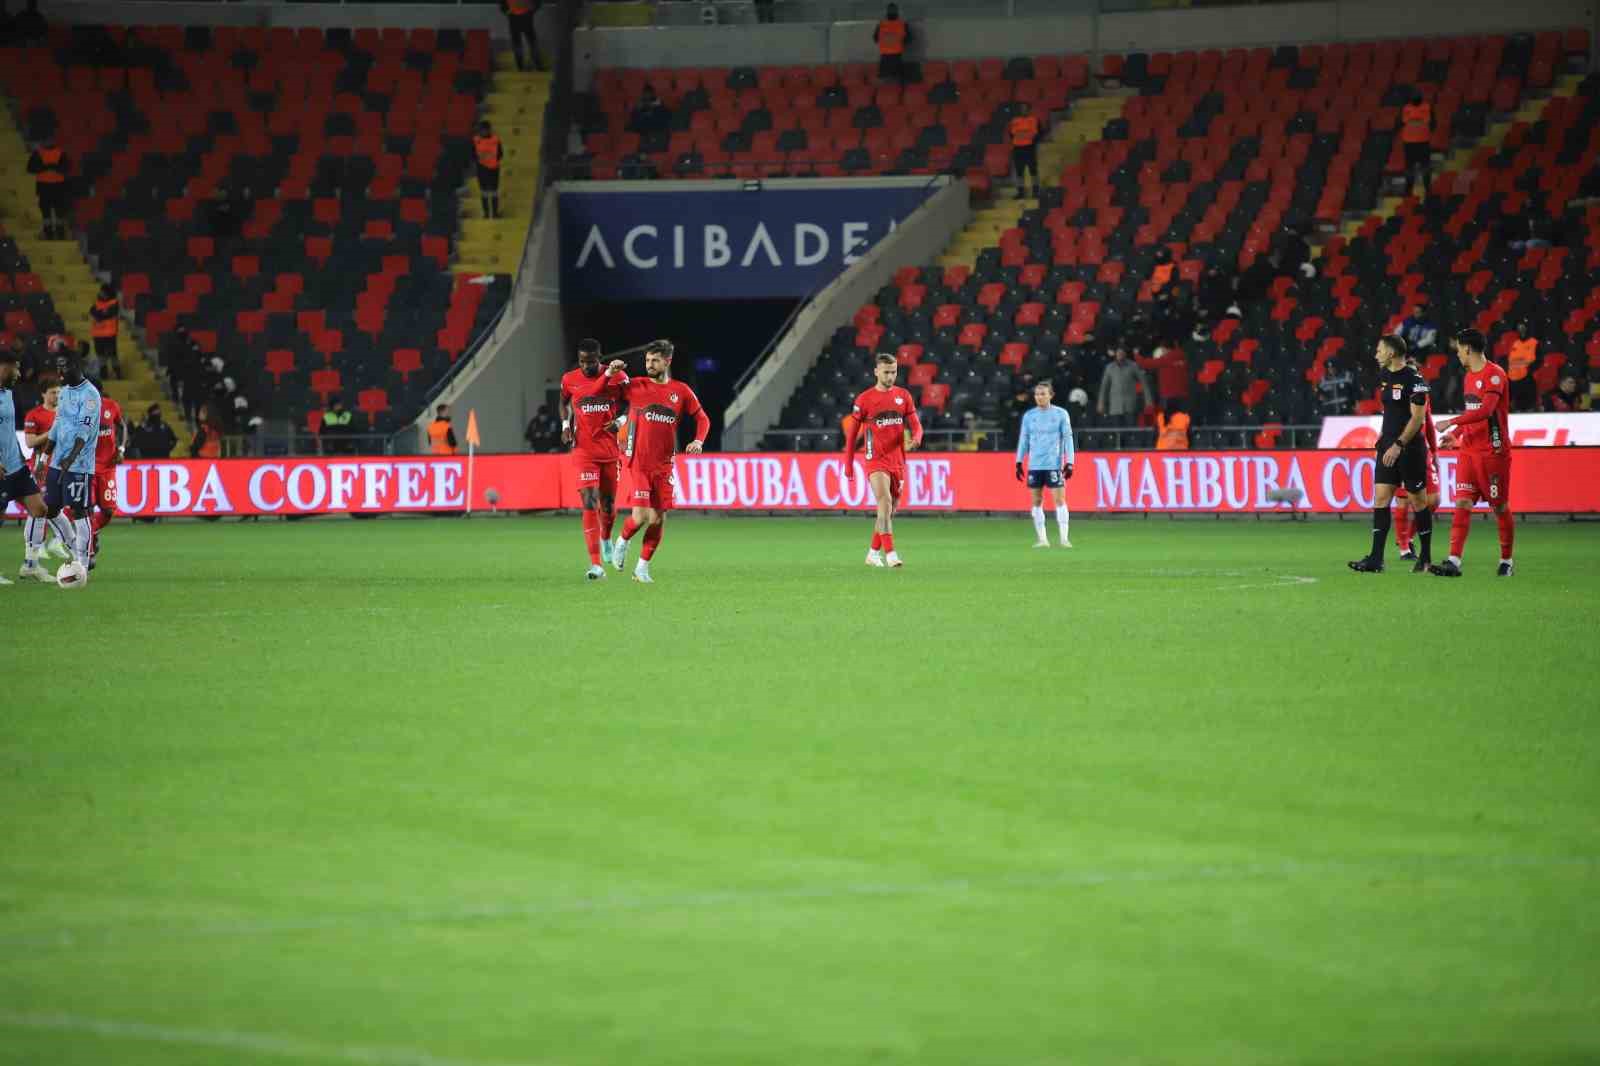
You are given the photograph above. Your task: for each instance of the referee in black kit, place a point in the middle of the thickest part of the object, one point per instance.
(1402, 454)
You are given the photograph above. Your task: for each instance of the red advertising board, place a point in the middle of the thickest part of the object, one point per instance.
(1551, 480)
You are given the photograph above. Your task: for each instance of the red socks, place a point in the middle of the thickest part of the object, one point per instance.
(1460, 525)
(629, 528)
(887, 540)
(877, 540)
(99, 520)
(607, 520)
(1402, 527)
(1508, 532)
(591, 536)
(652, 540)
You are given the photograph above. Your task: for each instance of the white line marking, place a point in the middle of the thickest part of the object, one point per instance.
(287, 1047)
(1283, 581)
(524, 910)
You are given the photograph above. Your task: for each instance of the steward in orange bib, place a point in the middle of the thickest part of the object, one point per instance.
(1416, 131)
(49, 166)
(1024, 132)
(441, 438)
(1172, 430)
(519, 17)
(104, 314)
(892, 35)
(486, 146)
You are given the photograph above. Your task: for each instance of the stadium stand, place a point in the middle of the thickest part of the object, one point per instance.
(1193, 166)
(823, 121)
(289, 195)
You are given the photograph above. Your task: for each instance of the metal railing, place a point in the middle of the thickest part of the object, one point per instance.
(269, 444)
(737, 12)
(1088, 438)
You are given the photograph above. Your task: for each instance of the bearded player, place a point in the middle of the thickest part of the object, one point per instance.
(656, 405)
(1483, 461)
(591, 413)
(36, 430)
(109, 448)
(885, 416)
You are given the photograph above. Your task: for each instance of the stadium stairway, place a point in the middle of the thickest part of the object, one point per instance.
(1460, 157)
(1061, 147)
(68, 279)
(514, 107)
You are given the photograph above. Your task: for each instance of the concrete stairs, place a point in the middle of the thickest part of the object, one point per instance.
(514, 107)
(70, 281)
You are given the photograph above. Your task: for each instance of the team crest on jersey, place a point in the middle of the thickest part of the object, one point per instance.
(672, 396)
(1495, 380)
(899, 401)
(1397, 390)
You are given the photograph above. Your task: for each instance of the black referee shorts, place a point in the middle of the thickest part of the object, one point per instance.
(1410, 471)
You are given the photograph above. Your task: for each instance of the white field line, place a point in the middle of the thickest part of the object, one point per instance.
(43, 941)
(269, 1044)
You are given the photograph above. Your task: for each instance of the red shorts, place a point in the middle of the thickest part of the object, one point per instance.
(105, 490)
(897, 478)
(1484, 475)
(647, 489)
(599, 474)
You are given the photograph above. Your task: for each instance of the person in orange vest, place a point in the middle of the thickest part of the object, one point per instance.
(1520, 358)
(50, 166)
(105, 313)
(487, 147)
(1416, 131)
(441, 437)
(1024, 132)
(892, 35)
(207, 442)
(1172, 428)
(519, 17)
(1161, 276)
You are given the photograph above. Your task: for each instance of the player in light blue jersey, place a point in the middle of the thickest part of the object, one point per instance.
(16, 480)
(1046, 441)
(69, 483)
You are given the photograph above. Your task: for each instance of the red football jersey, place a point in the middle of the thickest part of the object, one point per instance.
(882, 417)
(105, 446)
(655, 409)
(39, 420)
(595, 402)
(1486, 389)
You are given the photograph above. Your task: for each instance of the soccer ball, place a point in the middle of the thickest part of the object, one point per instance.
(72, 575)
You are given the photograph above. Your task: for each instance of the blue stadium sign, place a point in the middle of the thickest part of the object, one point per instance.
(721, 240)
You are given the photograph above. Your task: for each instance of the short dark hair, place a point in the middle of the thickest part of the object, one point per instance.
(885, 357)
(662, 347)
(1045, 384)
(1472, 340)
(1396, 344)
(588, 346)
(440, 410)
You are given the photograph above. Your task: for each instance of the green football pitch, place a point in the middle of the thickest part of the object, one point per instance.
(412, 792)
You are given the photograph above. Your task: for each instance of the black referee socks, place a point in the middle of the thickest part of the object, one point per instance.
(1380, 531)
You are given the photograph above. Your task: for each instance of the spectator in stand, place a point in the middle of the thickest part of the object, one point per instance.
(207, 442)
(105, 313)
(1078, 406)
(519, 19)
(1215, 294)
(225, 214)
(1567, 397)
(1335, 388)
(153, 438)
(651, 115)
(89, 361)
(1164, 271)
(441, 435)
(50, 167)
(1024, 133)
(1418, 332)
(1416, 131)
(1171, 369)
(544, 431)
(180, 356)
(1293, 252)
(335, 428)
(1121, 384)
(893, 36)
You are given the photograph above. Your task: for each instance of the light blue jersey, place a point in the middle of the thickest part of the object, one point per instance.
(1046, 438)
(10, 448)
(77, 418)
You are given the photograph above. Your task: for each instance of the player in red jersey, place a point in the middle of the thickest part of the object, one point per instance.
(108, 451)
(1482, 437)
(36, 430)
(1404, 524)
(885, 416)
(591, 413)
(656, 405)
